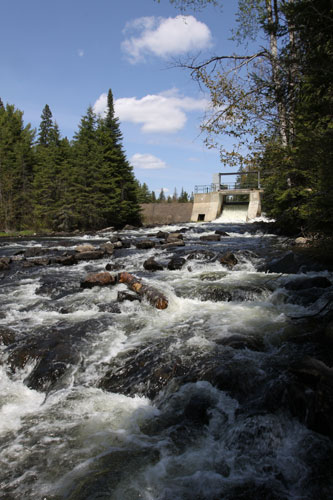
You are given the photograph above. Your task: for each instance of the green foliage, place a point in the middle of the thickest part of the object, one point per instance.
(16, 164)
(86, 184)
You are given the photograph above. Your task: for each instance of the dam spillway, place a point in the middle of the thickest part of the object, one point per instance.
(212, 205)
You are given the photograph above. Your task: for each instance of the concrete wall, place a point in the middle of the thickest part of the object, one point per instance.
(166, 213)
(206, 207)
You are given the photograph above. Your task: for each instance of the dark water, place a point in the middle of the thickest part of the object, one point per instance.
(108, 400)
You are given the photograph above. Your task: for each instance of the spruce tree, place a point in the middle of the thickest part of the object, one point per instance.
(16, 161)
(45, 126)
(116, 183)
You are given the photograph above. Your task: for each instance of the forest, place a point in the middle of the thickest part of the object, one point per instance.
(48, 183)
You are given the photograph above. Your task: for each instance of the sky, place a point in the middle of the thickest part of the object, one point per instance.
(68, 53)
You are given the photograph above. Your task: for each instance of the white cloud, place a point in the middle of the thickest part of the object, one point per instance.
(147, 161)
(80, 52)
(165, 37)
(164, 112)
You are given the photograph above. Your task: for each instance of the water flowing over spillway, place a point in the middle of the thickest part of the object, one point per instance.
(232, 213)
(119, 400)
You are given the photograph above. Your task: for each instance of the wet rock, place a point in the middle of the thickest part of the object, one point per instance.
(213, 293)
(210, 237)
(196, 410)
(96, 254)
(64, 260)
(35, 251)
(174, 236)
(291, 263)
(106, 230)
(112, 307)
(118, 244)
(301, 241)
(176, 263)
(113, 267)
(124, 295)
(145, 244)
(126, 243)
(228, 259)
(238, 341)
(37, 262)
(85, 248)
(53, 356)
(129, 227)
(205, 255)
(5, 263)
(161, 235)
(151, 265)
(99, 279)
(304, 283)
(213, 276)
(305, 297)
(7, 336)
(145, 371)
(108, 247)
(221, 233)
(174, 243)
(310, 395)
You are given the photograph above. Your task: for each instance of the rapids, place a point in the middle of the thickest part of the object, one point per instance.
(192, 402)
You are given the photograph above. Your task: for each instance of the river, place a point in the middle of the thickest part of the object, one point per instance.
(190, 402)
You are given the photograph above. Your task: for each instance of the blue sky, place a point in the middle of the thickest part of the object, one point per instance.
(68, 53)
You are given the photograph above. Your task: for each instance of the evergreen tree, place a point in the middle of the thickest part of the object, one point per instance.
(153, 197)
(161, 197)
(175, 195)
(144, 195)
(45, 127)
(47, 192)
(16, 163)
(183, 198)
(116, 184)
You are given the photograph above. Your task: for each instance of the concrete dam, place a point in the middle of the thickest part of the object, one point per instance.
(228, 202)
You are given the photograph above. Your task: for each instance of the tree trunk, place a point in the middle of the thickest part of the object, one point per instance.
(155, 297)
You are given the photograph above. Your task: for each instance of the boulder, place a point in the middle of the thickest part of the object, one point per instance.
(176, 263)
(108, 247)
(174, 236)
(210, 237)
(4, 263)
(145, 244)
(174, 243)
(151, 265)
(64, 260)
(86, 247)
(228, 259)
(97, 254)
(161, 235)
(35, 251)
(99, 279)
(129, 227)
(7, 336)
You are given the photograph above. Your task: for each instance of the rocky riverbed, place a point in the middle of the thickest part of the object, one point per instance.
(225, 392)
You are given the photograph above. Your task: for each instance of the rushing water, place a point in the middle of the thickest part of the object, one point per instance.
(156, 405)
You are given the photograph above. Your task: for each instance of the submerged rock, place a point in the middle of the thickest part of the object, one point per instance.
(123, 295)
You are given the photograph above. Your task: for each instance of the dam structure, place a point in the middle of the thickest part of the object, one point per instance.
(221, 200)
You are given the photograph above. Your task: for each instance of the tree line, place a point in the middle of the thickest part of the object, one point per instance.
(146, 196)
(50, 183)
(276, 102)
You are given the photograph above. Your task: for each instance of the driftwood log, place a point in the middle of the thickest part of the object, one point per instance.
(155, 297)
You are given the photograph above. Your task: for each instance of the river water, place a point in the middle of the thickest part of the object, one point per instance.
(182, 403)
